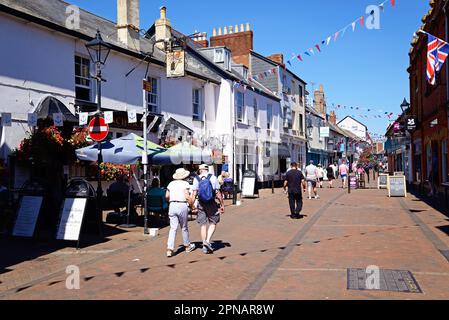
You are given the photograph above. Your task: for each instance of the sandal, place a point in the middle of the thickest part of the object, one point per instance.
(169, 253)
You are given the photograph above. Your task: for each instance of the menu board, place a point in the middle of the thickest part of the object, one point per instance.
(353, 182)
(27, 216)
(397, 186)
(382, 181)
(71, 219)
(249, 184)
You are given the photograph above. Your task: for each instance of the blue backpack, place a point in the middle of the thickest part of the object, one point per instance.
(205, 189)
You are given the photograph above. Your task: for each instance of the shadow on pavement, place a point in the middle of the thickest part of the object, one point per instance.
(17, 250)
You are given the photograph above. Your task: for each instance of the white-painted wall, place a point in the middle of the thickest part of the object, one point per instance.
(353, 126)
(37, 62)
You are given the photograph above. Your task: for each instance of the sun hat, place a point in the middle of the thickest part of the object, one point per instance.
(181, 174)
(204, 167)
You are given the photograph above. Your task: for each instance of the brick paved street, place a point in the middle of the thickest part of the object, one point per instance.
(262, 254)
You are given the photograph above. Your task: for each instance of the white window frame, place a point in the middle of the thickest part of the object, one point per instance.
(154, 107)
(270, 125)
(238, 118)
(219, 55)
(89, 87)
(227, 60)
(256, 112)
(197, 116)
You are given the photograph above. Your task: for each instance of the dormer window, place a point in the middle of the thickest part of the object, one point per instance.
(222, 55)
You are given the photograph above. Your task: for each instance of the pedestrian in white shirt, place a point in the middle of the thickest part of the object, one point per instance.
(312, 179)
(179, 198)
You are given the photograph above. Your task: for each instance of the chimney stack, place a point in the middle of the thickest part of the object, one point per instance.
(237, 40)
(128, 23)
(163, 28)
(320, 103)
(333, 118)
(201, 39)
(278, 58)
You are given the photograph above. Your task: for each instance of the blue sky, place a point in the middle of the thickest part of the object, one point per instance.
(365, 68)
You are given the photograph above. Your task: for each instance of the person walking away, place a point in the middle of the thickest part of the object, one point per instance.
(330, 175)
(179, 198)
(367, 171)
(344, 171)
(320, 175)
(335, 167)
(294, 180)
(312, 177)
(207, 189)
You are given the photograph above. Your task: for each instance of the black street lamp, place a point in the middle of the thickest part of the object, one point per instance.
(405, 105)
(99, 52)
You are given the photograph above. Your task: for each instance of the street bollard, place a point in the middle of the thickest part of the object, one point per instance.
(234, 195)
(349, 184)
(272, 184)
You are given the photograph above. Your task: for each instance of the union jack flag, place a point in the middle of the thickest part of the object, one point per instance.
(437, 52)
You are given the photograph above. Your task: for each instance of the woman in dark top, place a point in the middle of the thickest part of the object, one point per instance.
(330, 175)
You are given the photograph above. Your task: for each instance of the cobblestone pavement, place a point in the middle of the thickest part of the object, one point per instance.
(261, 254)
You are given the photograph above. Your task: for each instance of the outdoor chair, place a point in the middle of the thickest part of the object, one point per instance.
(362, 183)
(117, 200)
(158, 206)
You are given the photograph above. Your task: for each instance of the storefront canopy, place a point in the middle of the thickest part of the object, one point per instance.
(183, 153)
(124, 150)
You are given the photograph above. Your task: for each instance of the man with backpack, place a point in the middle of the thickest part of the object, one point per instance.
(207, 189)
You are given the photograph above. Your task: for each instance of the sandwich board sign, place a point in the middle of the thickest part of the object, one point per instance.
(397, 186)
(382, 181)
(71, 220)
(27, 216)
(249, 188)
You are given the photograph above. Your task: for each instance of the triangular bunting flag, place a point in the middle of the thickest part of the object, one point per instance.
(328, 40)
(353, 26)
(362, 21)
(336, 35)
(311, 50)
(307, 53)
(318, 47)
(299, 57)
(323, 42)
(381, 6)
(393, 2)
(289, 63)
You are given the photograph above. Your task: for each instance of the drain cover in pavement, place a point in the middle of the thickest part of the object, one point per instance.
(390, 280)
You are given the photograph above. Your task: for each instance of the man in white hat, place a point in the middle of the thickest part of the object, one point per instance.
(207, 189)
(179, 198)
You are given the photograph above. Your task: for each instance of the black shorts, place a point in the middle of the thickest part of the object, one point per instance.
(312, 182)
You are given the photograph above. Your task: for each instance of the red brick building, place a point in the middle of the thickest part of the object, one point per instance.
(429, 103)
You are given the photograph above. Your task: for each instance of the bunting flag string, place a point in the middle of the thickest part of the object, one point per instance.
(340, 33)
(335, 106)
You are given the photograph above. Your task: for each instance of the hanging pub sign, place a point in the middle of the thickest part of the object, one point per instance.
(411, 124)
(175, 64)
